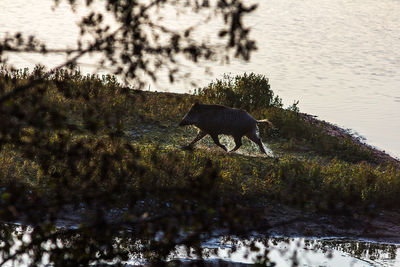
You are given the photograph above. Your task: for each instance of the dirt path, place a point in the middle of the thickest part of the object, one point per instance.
(381, 227)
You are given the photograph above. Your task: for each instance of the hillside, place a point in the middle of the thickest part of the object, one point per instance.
(107, 159)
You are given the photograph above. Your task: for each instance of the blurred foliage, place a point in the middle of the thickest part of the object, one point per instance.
(101, 159)
(137, 41)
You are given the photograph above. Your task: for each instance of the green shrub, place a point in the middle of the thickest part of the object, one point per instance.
(250, 92)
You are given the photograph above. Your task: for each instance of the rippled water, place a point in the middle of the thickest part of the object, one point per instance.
(339, 58)
(281, 251)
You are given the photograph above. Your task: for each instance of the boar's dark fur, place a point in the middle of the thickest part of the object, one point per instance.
(217, 119)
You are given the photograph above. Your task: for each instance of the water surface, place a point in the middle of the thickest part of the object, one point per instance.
(339, 58)
(282, 251)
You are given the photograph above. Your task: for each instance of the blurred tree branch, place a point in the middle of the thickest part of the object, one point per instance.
(141, 44)
(69, 128)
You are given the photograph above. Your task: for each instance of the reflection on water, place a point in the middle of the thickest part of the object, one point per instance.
(385, 254)
(302, 251)
(282, 251)
(339, 58)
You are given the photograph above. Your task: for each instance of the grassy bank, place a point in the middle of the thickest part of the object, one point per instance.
(74, 140)
(310, 167)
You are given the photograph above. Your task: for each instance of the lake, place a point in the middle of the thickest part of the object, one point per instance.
(339, 58)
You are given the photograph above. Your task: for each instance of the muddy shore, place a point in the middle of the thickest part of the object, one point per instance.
(279, 220)
(383, 226)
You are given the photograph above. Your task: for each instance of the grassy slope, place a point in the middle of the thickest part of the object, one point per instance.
(299, 174)
(311, 168)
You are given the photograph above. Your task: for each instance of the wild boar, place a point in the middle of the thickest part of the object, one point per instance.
(217, 119)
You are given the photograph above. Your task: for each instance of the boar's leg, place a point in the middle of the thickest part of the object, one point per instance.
(216, 141)
(253, 137)
(238, 142)
(199, 136)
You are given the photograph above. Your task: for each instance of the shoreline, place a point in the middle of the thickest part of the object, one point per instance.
(334, 130)
(383, 227)
(280, 221)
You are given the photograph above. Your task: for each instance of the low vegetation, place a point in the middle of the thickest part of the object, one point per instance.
(76, 140)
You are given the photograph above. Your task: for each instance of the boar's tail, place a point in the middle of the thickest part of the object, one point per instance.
(265, 121)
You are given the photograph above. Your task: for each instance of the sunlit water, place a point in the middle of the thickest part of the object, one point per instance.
(282, 251)
(339, 58)
(304, 251)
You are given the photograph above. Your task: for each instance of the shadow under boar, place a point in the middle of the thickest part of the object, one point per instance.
(217, 119)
